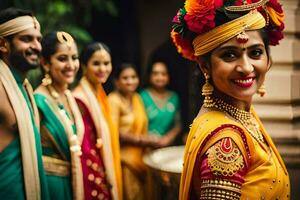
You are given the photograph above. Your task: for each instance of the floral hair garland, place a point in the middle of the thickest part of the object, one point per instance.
(200, 16)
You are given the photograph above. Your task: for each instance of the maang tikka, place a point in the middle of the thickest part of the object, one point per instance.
(207, 91)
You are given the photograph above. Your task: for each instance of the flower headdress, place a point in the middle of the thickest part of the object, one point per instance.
(200, 17)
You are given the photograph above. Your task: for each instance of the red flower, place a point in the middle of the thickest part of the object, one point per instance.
(275, 5)
(200, 15)
(184, 46)
(276, 24)
(241, 2)
(201, 23)
(219, 3)
(175, 19)
(274, 36)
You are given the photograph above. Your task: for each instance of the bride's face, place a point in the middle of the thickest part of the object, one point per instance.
(238, 69)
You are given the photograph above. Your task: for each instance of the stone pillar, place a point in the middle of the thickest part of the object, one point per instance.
(279, 109)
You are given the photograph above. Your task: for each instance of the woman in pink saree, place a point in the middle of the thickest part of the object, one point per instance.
(100, 146)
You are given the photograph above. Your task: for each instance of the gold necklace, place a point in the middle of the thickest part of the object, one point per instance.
(74, 139)
(66, 109)
(53, 92)
(242, 116)
(231, 110)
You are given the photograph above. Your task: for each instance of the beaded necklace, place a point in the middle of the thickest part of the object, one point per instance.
(242, 116)
(75, 139)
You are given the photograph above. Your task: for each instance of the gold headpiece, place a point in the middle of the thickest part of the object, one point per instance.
(210, 40)
(18, 24)
(64, 38)
(246, 7)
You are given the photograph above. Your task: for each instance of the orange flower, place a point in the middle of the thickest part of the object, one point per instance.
(198, 7)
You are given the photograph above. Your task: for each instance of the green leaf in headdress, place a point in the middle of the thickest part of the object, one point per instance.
(180, 26)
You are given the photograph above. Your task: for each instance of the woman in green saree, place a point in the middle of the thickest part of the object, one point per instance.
(61, 122)
(162, 105)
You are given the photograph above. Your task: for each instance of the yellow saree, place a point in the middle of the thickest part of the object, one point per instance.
(130, 120)
(266, 176)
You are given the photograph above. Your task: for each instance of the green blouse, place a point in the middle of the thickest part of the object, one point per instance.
(163, 114)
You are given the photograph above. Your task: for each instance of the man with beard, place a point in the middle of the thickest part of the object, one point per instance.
(21, 170)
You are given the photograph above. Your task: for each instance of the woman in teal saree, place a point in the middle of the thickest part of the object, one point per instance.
(61, 122)
(162, 105)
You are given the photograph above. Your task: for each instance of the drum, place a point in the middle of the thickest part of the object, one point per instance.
(165, 166)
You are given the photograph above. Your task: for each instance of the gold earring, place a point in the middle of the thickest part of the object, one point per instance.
(261, 90)
(47, 80)
(207, 91)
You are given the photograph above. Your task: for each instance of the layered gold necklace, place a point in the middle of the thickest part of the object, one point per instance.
(244, 117)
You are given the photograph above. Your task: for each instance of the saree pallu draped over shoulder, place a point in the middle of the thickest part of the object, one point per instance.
(107, 136)
(61, 140)
(131, 120)
(260, 172)
(161, 118)
(24, 177)
(134, 121)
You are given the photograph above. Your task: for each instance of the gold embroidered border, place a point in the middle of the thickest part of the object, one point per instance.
(220, 189)
(226, 164)
(218, 194)
(57, 167)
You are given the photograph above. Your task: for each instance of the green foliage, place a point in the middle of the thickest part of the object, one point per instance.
(72, 16)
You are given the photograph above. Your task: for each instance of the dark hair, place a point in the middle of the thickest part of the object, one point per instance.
(150, 69)
(152, 62)
(118, 70)
(49, 46)
(91, 49)
(11, 13)
(264, 35)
